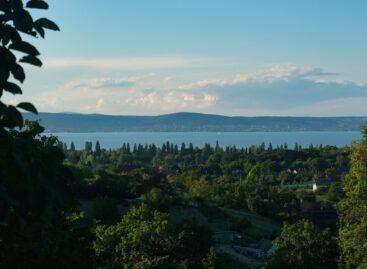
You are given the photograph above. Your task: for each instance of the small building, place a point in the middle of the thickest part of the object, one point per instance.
(321, 183)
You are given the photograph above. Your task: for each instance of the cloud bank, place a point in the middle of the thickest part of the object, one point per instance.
(278, 90)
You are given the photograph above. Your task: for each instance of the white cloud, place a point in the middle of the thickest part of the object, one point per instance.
(272, 74)
(100, 103)
(210, 98)
(104, 83)
(279, 90)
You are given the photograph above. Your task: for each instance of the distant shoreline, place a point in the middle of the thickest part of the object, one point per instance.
(209, 132)
(193, 122)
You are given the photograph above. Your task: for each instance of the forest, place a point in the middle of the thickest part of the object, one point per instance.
(167, 206)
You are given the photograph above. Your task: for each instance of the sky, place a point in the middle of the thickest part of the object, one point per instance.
(230, 57)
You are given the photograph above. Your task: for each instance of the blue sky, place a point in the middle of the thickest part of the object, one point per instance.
(233, 57)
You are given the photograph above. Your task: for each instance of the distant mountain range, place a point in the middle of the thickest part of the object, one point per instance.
(186, 122)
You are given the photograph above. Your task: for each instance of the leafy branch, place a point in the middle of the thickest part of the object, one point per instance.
(16, 22)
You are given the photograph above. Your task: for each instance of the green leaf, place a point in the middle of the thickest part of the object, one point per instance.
(23, 21)
(37, 4)
(4, 74)
(24, 47)
(13, 117)
(4, 6)
(12, 88)
(16, 4)
(7, 58)
(13, 34)
(40, 30)
(28, 107)
(18, 72)
(31, 60)
(46, 23)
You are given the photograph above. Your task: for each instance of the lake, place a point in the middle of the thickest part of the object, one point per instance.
(239, 139)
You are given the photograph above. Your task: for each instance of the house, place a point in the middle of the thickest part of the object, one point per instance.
(321, 183)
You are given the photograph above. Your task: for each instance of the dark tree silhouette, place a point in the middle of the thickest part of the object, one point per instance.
(35, 226)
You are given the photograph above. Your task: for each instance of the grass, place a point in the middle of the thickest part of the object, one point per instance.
(223, 225)
(261, 226)
(178, 213)
(228, 263)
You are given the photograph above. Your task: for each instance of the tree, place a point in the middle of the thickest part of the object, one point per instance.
(144, 239)
(15, 19)
(35, 206)
(183, 148)
(140, 240)
(97, 148)
(106, 210)
(255, 189)
(353, 209)
(303, 246)
(211, 261)
(64, 147)
(72, 147)
(157, 198)
(88, 147)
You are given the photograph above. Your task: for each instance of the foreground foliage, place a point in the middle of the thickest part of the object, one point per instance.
(353, 210)
(144, 239)
(303, 246)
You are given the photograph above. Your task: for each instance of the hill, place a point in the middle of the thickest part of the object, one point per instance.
(186, 122)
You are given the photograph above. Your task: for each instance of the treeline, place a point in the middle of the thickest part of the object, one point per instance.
(257, 178)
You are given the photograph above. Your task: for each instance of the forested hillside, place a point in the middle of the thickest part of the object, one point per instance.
(186, 122)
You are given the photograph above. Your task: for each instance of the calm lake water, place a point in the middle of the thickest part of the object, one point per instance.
(239, 139)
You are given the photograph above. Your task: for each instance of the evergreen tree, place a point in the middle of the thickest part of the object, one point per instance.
(296, 147)
(270, 147)
(191, 148)
(183, 148)
(72, 147)
(262, 147)
(217, 147)
(97, 148)
(128, 150)
(65, 148)
(164, 148)
(88, 146)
